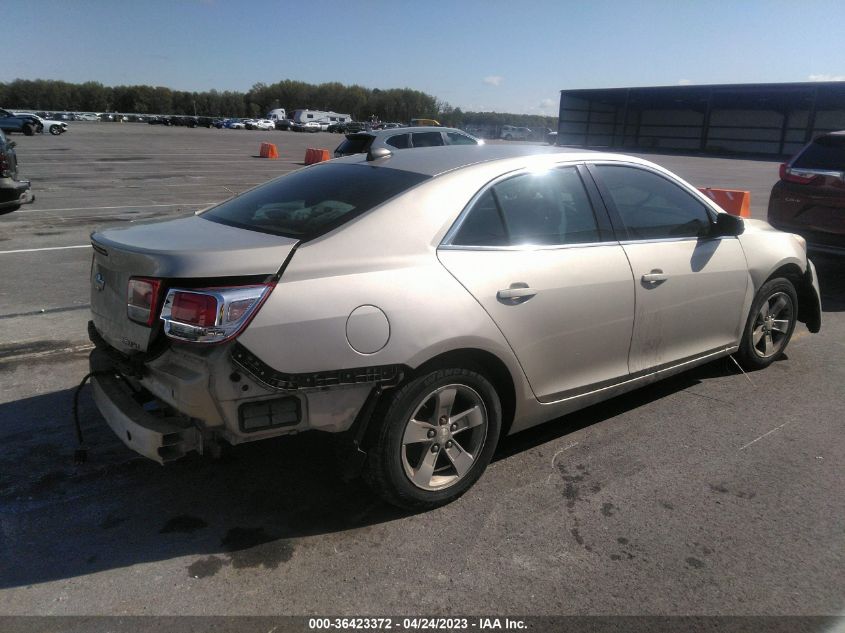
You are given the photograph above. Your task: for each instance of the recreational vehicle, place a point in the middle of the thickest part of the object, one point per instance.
(320, 116)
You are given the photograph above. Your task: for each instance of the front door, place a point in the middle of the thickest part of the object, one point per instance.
(690, 287)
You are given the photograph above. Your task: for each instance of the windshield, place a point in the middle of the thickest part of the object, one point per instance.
(310, 202)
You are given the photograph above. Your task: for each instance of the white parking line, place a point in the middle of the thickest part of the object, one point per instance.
(765, 434)
(47, 248)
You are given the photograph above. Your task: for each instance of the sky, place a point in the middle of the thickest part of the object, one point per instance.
(486, 55)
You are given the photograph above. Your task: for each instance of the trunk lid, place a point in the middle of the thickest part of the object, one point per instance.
(179, 252)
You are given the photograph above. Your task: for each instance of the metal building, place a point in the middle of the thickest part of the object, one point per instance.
(774, 119)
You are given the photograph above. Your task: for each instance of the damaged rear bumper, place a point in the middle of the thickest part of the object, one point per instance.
(159, 437)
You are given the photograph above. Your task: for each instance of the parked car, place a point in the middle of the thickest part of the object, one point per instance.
(13, 191)
(551, 138)
(261, 124)
(26, 124)
(47, 125)
(809, 198)
(337, 128)
(236, 124)
(306, 126)
(464, 295)
(403, 138)
(513, 133)
(283, 124)
(357, 126)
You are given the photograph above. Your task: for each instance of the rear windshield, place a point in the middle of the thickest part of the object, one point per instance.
(311, 202)
(827, 152)
(355, 144)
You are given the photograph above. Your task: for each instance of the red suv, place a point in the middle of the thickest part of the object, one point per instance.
(809, 198)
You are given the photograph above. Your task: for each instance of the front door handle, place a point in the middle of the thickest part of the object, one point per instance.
(655, 276)
(516, 294)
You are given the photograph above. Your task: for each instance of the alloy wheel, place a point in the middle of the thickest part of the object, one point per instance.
(772, 325)
(444, 436)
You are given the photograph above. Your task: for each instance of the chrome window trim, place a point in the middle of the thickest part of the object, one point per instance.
(525, 247)
(660, 240)
(456, 225)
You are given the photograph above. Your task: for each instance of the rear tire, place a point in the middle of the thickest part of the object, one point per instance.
(770, 324)
(434, 438)
(28, 129)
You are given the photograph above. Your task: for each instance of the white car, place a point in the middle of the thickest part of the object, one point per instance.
(54, 127)
(263, 124)
(513, 133)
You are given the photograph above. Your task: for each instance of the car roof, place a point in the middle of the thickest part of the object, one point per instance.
(433, 161)
(405, 130)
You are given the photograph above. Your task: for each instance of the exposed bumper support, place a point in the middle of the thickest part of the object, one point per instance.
(384, 375)
(161, 439)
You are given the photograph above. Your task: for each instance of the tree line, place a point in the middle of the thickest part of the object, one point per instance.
(395, 104)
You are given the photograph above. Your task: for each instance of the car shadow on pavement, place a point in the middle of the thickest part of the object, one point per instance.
(61, 520)
(608, 409)
(247, 509)
(831, 273)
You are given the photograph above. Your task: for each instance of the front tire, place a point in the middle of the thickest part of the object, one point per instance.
(770, 324)
(435, 437)
(28, 129)
(55, 130)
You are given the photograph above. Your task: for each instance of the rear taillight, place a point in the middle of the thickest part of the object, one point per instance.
(142, 299)
(211, 315)
(798, 176)
(194, 308)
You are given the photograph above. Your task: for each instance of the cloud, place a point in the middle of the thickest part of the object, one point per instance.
(494, 80)
(684, 82)
(826, 77)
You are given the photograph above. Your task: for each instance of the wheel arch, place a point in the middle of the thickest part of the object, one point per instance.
(486, 363)
(808, 303)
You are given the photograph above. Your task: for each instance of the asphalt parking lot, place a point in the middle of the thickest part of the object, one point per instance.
(709, 493)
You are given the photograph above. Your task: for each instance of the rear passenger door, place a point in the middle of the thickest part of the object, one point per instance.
(690, 286)
(545, 267)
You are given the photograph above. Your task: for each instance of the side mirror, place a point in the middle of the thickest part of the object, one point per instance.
(12, 144)
(728, 225)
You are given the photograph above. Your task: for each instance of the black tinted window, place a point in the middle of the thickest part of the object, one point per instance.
(400, 141)
(483, 225)
(310, 202)
(652, 207)
(427, 139)
(460, 139)
(549, 208)
(827, 152)
(355, 144)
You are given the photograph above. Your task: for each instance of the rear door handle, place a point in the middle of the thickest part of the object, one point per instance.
(655, 276)
(516, 294)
